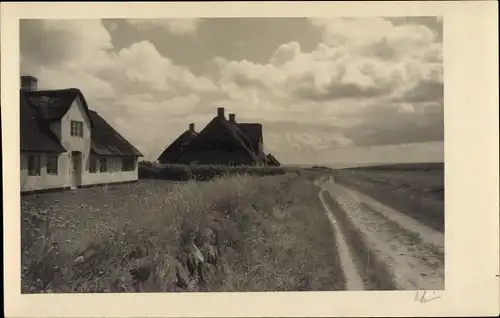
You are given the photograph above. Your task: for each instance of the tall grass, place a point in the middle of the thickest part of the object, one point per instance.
(417, 193)
(272, 235)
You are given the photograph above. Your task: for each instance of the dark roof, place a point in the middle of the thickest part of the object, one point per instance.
(107, 141)
(35, 135)
(54, 104)
(220, 133)
(253, 132)
(172, 152)
(39, 108)
(271, 160)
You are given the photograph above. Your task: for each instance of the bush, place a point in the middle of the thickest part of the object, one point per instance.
(148, 170)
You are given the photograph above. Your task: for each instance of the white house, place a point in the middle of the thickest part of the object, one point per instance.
(66, 145)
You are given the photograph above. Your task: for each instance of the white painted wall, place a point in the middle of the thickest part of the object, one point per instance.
(114, 173)
(44, 180)
(62, 179)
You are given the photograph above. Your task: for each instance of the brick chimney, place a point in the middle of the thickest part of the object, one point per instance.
(232, 118)
(191, 127)
(29, 83)
(220, 112)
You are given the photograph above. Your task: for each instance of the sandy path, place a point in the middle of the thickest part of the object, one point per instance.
(411, 252)
(352, 278)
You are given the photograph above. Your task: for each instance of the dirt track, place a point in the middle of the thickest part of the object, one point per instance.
(379, 247)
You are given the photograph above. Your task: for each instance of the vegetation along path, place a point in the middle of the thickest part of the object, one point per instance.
(379, 247)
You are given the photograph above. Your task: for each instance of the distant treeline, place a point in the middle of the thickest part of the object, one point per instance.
(150, 170)
(403, 166)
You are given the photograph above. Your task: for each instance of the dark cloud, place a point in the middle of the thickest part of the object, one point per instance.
(40, 46)
(425, 91)
(382, 49)
(339, 91)
(384, 125)
(281, 126)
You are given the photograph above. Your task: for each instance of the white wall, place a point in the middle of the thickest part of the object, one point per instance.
(114, 173)
(44, 180)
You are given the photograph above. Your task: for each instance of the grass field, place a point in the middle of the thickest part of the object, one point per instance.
(414, 189)
(272, 235)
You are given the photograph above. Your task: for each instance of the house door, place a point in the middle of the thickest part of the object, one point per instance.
(76, 169)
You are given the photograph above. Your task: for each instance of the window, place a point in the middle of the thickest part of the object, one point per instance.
(52, 161)
(34, 165)
(92, 164)
(76, 128)
(128, 164)
(102, 165)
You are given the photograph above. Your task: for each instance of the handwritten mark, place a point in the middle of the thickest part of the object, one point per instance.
(423, 297)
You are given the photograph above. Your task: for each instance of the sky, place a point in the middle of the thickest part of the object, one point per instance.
(327, 91)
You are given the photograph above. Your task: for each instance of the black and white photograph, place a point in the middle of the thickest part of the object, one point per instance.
(236, 155)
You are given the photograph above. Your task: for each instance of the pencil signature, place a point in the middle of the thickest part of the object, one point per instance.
(424, 297)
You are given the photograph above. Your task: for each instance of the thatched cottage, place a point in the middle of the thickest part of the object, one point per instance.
(64, 144)
(222, 142)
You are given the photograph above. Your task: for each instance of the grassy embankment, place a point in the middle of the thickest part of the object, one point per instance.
(271, 231)
(414, 189)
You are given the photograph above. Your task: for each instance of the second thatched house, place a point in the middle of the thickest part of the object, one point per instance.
(222, 142)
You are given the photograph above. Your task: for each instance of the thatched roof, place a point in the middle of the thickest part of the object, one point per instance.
(106, 141)
(220, 134)
(54, 104)
(253, 131)
(40, 108)
(172, 152)
(35, 135)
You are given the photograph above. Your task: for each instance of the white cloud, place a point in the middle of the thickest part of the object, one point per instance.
(406, 108)
(362, 31)
(137, 87)
(361, 63)
(176, 26)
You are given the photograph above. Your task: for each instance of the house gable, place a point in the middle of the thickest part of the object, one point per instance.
(77, 112)
(54, 104)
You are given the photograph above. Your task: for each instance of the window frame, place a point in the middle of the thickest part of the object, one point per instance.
(128, 164)
(93, 163)
(38, 169)
(103, 165)
(56, 159)
(76, 128)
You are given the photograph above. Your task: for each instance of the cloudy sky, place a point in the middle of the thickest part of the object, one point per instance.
(325, 90)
